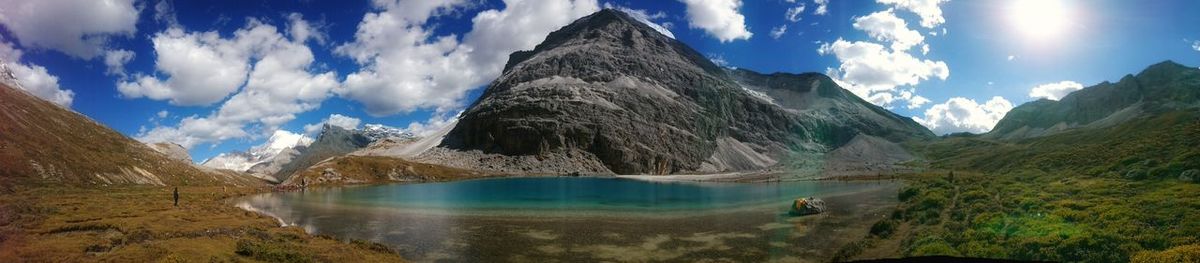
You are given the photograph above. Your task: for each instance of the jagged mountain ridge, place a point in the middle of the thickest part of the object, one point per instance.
(42, 143)
(1160, 87)
(280, 142)
(273, 159)
(612, 91)
(332, 142)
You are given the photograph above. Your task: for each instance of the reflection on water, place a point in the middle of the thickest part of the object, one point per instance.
(522, 219)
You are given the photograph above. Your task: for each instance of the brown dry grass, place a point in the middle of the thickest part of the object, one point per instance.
(378, 169)
(139, 224)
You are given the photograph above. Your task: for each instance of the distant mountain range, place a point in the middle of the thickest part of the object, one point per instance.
(1161, 87)
(285, 153)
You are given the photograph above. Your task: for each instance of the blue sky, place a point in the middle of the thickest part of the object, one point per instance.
(422, 61)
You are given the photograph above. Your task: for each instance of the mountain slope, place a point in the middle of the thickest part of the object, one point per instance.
(1161, 87)
(608, 94)
(42, 143)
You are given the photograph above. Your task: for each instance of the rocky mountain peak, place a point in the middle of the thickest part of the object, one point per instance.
(610, 94)
(609, 33)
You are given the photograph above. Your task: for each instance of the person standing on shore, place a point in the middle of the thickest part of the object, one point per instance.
(176, 196)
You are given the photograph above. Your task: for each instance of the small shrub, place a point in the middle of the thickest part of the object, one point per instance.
(883, 228)
(269, 253)
(908, 193)
(377, 247)
(1188, 253)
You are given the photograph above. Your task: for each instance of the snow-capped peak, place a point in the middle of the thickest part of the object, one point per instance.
(242, 161)
(7, 76)
(279, 141)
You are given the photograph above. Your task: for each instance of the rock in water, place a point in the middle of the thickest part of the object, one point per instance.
(807, 206)
(610, 90)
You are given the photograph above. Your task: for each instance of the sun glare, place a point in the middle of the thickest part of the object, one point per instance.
(1040, 20)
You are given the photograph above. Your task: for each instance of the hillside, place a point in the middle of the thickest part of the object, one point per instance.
(1159, 88)
(1126, 190)
(42, 143)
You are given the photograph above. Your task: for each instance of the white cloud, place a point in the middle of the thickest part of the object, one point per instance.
(914, 101)
(1011, 57)
(281, 140)
(1055, 91)
(870, 70)
(279, 86)
(822, 7)
(930, 11)
(1196, 45)
(720, 18)
(778, 31)
(646, 18)
(79, 28)
(302, 30)
(876, 73)
(964, 115)
(203, 68)
(346, 122)
(405, 67)
(34, 78)
(885, 26)
(718, 59)
(115, 60)
(794, 13)
(162, 114)
(164, 13)
(434, 124)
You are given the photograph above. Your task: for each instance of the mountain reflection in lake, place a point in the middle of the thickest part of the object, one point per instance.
(569, 219)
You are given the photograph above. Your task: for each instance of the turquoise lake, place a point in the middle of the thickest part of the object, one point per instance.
(576, 218)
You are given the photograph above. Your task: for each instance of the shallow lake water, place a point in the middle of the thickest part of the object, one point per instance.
(586, 218)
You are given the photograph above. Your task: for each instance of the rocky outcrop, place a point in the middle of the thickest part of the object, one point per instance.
(1161, 87)
(612, 91)
(1192, 175)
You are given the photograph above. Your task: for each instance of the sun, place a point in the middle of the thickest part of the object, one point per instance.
(1040, 20)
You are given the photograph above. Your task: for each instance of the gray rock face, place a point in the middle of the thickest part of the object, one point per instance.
(610, 89)
(1160, 87)
(1192, 175)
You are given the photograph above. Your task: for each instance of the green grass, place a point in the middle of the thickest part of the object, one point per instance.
(1109, 195)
